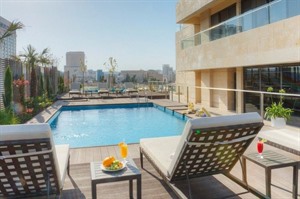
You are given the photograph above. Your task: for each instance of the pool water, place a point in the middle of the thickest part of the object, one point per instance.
(86, 126)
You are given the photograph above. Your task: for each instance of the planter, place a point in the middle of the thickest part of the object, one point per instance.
(278, 122)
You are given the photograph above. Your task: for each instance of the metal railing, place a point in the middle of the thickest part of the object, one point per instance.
(182, 94)
(266, 14)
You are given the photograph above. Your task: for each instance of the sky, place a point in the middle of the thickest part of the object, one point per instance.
(139, 34)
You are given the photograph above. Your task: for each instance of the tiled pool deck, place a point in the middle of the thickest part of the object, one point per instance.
(281, 178)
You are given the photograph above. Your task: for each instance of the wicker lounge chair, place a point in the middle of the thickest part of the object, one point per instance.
(207, 146)
(30, 163)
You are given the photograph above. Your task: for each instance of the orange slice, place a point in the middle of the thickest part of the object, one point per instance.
(108, 161)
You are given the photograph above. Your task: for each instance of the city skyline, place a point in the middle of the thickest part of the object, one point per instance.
(138, 34)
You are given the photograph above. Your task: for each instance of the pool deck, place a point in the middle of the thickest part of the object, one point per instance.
(281, 178)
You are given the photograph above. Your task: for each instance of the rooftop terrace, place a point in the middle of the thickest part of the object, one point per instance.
(77, 185)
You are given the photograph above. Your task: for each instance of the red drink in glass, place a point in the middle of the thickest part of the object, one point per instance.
(260, 147)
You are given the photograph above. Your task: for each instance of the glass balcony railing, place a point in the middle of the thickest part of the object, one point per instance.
(267, 14)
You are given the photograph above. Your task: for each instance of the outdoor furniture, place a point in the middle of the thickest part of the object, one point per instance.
(131, 172)
(272, 160)
(207, 146)
(30, 163)
(102, 89)
(129, 88)
(75, 89)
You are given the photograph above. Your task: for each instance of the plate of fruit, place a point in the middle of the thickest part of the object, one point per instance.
(111, 164)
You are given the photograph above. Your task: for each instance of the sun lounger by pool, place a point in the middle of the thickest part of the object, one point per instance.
(30, 163)
(75, 89)
(129, 88)
(103, 89)
(207, 146)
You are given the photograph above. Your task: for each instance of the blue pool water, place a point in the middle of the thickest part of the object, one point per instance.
(86, 126)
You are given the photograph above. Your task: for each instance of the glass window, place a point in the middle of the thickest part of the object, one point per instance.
(223, 15)
(270, 77)
(291, 79)
(252, 79)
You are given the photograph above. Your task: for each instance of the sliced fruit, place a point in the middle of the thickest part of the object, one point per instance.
(108, 161)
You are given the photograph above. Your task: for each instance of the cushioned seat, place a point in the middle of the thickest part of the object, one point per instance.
(207, 146)
(30, 163)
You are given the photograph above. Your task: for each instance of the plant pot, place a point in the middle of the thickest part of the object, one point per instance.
(278, 122)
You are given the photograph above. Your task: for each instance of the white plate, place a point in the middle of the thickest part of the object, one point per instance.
(108, 170)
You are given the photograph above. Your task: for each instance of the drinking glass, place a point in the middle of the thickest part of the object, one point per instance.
(260, 148)
(123, 150)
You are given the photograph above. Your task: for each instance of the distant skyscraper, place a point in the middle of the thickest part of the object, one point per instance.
(73, 68)
(9, 45)
(168, 74)
(100, 74)
(7, 49)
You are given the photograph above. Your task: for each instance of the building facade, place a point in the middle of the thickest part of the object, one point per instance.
(100, 75)
(75, 68)
(238, 44)
(8, 47)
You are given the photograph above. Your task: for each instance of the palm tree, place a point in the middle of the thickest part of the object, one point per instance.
(15, 25)
(31, 57)
(44, 58)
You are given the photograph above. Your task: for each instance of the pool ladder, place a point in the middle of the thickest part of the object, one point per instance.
(138, 99)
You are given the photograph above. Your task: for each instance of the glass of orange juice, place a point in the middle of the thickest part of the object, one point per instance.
(123, 150)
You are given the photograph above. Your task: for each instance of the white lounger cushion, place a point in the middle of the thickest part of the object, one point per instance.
(62, 154)
(160, 150)
(38, 131)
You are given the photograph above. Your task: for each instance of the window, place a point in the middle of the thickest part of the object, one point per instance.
(223, 15)
(252, 4)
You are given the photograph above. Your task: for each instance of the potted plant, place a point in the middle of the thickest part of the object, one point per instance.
(277, 113)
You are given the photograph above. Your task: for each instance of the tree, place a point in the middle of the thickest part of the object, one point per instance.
(32, 58)
(61, 85)
(112, 66)
(15, 25)
(41, 90)
(8, 89)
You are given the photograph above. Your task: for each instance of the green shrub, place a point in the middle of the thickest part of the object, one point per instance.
(277, 110)
(8, 117)
(8, 88)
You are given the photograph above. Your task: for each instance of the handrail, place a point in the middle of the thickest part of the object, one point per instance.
(192, 38)
(261, 93)
(240, 90)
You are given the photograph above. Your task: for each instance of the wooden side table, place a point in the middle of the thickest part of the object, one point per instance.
(272, 160)
(131, 172)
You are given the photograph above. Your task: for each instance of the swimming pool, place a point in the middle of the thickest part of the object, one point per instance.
(85, 126)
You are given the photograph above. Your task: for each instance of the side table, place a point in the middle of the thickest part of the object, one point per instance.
(272, 160)
(131, 172)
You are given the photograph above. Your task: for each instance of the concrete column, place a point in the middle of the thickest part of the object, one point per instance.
(240, 85)
(205, 93)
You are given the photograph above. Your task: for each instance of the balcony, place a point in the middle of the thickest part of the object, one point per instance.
(270, 13)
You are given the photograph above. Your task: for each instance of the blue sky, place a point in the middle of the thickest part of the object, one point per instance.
(140, 34)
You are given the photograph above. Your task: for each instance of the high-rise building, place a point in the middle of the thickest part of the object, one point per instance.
(8, 46)
(99, 75)
(75, 67)
(168, 73)
(7, 49)
(238, 44)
